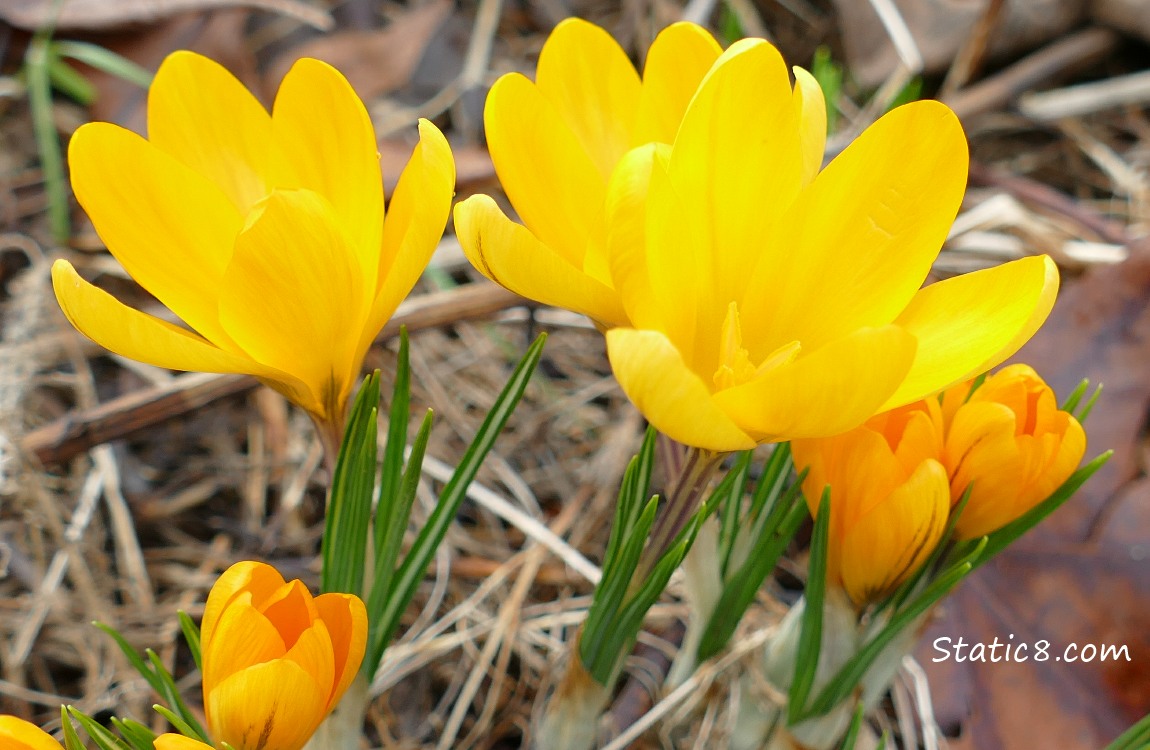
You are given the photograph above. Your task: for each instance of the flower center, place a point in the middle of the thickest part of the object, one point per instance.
(735, 366)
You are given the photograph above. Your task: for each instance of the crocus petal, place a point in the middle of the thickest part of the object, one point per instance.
(672, 397)
(508, 254)
(291, 609)
(626, 247)
(201, 115)
(292, 294)
(313, 652)
(178, 742)
(335, 155)
(258, 579)
(136, 335)
(272, 705)
(736, 186)
(811, 105)
(828, 391)
(18, 734)
(545, 170)
(587, 76)
(970, 323)
(242, 637)
(169, 227)
(346, 620)
(676, 63)
(862, 237)
(417, 214)
(890, 542)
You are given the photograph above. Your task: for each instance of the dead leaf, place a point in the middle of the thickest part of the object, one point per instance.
(92, 15)
(375, 62)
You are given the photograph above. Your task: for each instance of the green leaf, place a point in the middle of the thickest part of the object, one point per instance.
(171, 693)
(811, 632)
(391, 472)
(67, 80)
(179, 723)
(133, 658)
(101, 736)
(852, 735)
(36, 65)
(740, 588)
(731, 509)
(106, 60)
(1075, 397)
(414, 565)
(344, 547)
(136, 734)
(71, 739)
(1082, 415)
(396, 515)
(1136, 737)
(191, 633)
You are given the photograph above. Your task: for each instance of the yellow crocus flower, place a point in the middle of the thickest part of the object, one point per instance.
(264, 233)
(1012, 442)
(750, 296)
(17, 734)
(275, 660)
(889, 498)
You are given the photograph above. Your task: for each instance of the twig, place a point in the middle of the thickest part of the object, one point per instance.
(1085, 98)
(970, 55)
(1074, 51)
(122, 417)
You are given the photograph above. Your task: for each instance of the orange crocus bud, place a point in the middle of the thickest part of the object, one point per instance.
(1012, 442)
(275, 659)
(889, 497)
(17, 734)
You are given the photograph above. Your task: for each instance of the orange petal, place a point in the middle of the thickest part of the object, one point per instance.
(257, 578)
(242, 636)
(178, 742)
(272, 705)
(346, 619)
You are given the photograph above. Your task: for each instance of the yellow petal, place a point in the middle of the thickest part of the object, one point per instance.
(595, 89)
(676, 63)
(169, 227)
(18, 734)
(346, 619)
(178, 742)
(272, 705)
(201, 115)
(888, 544)
(417, 214)
(335, 154)
(861, 238)
(290, 610)
(136, 335)
(294, 297)
(547, 173)
(825, 392)
(241, 638)
(509, 255)
(626, 246)
(257, 578)
(737, 164)
(672, 398)
(811, 104)
(970, 323)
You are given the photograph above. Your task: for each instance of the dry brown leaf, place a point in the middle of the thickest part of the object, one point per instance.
(94, 15)
(375, 62)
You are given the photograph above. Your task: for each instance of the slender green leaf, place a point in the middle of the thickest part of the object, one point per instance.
(731, 511)
(101, 736)
(191, 633)
(67, 80)
(811, 632)
(171, 693)
(71, 739)
(178, 721)
(397, 514)
(1082, 415)
(138, 663)
(106, 60)
(134, 733)
(1136, 737)
(415, 564)
(852, 735)
(1075, 397)
(36, 64)
(740, 588)
(398, 415)
(344, 548)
